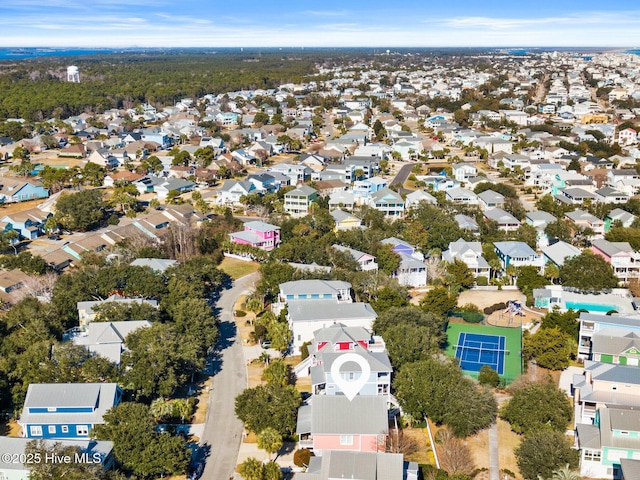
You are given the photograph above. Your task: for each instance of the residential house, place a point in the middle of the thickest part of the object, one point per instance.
(297, 202)
(611, 195)
(345, 220)
(106, 339)
(328, 346)
(365, 261)
(28, 223)
(518, 254)
(461, 196)
(618, 346)
(539, 220)
(13, 189)
(411, 272)
(333, 422)
(16, 467)
(11, 280)
(624, 179)
(614, 436)
(333, 291)
(173, 185)
(591, 324)
(336, 464)
(66, 410)
(506, 222)
(297, 173)
(158, 265)
(471, 254)
(414, 199)
(342, 200)
(490, 199)
(87, 314)
(462, 172)
(388, 202)
(362, 189)
(467, 223)
(621, 256)
(243, 157)
(258, 234)
(559, 252)
(616, 215)
(264, 182)
(233, 190)
(628, 136)
(601, 385)
(122, 177)
(575, 196)
(148, 183)
(583, 219)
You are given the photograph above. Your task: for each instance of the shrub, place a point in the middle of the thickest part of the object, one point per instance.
(113, 220)
(488, 376)
(241, 313)
(301, 457)
(482, 281)
(304, 350)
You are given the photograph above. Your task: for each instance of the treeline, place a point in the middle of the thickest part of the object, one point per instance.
(159, 359)
(37, 90)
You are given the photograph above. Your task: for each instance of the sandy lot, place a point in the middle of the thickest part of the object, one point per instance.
(482, 298)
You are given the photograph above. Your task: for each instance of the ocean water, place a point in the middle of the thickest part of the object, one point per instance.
(23, 53)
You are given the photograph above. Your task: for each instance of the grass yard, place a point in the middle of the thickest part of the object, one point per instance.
(237, 268)
(507, 442)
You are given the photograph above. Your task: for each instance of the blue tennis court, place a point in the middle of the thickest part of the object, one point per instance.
(475, 350)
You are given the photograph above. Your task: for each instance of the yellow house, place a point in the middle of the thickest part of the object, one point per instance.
(345, 221)
(594, 118)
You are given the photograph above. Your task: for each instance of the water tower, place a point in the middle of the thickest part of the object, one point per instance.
(73, 74)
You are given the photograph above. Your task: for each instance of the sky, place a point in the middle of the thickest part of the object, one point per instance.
(330, 23)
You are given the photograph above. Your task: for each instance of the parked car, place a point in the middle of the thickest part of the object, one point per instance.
(196, 471)
(266, 344)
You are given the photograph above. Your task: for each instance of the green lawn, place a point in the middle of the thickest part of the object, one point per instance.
(513, 343)
(237, 268)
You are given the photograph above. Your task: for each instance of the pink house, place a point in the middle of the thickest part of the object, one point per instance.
(622, 257)
(258, 234)
(628, 136)
(332, 422)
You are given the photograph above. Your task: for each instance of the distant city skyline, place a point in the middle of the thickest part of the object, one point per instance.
(357, 23)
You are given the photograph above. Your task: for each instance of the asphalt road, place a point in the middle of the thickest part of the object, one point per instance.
(222, 430)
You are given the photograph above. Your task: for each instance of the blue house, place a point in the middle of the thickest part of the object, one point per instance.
(66, 410)
(401, 247)
(29, 223)
(20, 190)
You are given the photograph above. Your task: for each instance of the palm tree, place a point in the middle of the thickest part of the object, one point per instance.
(271, 471)
(566, 473)
(269, 440)
(251, 469)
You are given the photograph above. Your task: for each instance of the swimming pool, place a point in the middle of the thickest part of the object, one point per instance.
(591, 307)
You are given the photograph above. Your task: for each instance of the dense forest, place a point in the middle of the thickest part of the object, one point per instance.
(36, 90)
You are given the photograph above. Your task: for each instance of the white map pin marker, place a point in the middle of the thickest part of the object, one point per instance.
(350, 388)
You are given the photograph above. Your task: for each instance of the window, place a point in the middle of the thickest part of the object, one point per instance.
(52, 429)
(82, 430)
(35, 431)
(592, 455)
(65, 428)
(346, 439)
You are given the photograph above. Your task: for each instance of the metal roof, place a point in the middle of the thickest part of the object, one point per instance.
(335, 414)
(314, 310)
